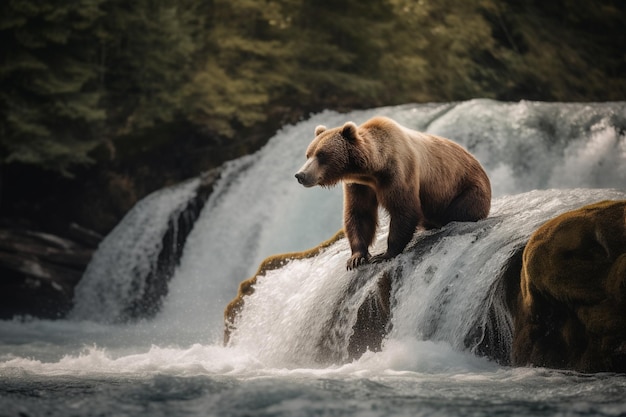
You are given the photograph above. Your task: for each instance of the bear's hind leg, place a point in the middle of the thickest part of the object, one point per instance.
(360, 221)
(471, 205)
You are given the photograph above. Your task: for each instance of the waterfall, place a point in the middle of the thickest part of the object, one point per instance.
(440, 290)
(444, 286)
(128, 275)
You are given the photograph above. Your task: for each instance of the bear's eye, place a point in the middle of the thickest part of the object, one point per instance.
(321, 157)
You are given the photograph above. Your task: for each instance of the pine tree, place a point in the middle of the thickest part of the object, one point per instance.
(436, 51)
(148, 48)
(244, 65)
(49, 98)
(338, 46)
(562, 50)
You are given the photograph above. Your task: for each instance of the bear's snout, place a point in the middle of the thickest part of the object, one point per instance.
(308, 174)
(305, 179)
(300, 176)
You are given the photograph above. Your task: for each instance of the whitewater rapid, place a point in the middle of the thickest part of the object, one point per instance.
(257, 208)
(111, 358)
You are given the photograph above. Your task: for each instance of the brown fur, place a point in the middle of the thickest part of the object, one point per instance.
(420, 179)
(570, 309)
(269, 264)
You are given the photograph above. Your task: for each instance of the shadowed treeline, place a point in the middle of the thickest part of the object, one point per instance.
(128, 96)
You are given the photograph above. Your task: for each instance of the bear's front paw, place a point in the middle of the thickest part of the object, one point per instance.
(381, 257)
(357, 260)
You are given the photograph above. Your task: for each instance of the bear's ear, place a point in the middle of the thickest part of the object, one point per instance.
(319, 129)
(349, 131)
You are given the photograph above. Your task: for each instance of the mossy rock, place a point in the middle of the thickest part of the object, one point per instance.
(572, 300)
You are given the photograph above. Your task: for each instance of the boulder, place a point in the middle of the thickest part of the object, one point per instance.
(38, 271)
(570, 309)
(369, 329)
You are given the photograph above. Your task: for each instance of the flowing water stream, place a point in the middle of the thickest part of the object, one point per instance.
(105, 359)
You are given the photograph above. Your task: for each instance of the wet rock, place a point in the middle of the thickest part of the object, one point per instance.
(570, 309)
(38, 272)
(372, 322)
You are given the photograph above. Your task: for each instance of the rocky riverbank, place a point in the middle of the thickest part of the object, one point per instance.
(38, 271)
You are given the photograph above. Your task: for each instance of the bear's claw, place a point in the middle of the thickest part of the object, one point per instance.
(381, 257)
(356, 260)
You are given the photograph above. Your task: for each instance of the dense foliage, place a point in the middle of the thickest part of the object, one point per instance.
(118, 74)
(74, 74)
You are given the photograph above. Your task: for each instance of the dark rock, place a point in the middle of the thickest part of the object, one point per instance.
(372, 319)
(84, 236)
(38, 272)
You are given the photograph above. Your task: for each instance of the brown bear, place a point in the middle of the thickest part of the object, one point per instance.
(420, 179)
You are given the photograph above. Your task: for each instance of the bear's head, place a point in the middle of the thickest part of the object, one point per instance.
(333, 154)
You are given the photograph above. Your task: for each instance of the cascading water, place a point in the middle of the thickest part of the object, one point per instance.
(444, 287)
(127, 270)
(258, 209)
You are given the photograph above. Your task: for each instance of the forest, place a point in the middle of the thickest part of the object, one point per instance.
(104, 101)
